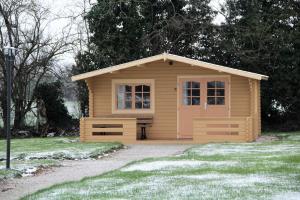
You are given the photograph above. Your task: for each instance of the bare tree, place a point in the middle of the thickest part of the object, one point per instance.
(23, 25)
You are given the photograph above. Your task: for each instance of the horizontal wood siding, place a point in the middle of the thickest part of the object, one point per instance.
(222, 129)
(165, 76)
(240, 96)
(128, 129)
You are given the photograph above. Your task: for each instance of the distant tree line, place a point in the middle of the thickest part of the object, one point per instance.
(23, 25)
(261, 36)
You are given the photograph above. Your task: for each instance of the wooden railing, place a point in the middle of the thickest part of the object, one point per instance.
(222, 129)
(108, 129)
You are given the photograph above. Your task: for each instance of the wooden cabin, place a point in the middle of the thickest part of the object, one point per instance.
(171, 99)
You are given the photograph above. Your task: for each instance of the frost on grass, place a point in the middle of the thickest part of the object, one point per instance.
(168, 164)
(57, 148)
(263, 171)
(67, 154)
(232, 149)
(287, 195)
(30, 155)
(234, 180)
(202, 186)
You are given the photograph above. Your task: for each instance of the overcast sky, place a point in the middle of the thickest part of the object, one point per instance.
(64, 8)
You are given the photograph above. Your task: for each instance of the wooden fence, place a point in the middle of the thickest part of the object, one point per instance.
(234, 129)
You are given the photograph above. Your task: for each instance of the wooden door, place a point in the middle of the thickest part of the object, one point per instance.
(190, 105)
(201, 97)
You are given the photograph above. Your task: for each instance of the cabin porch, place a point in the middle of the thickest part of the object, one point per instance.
(132, 129)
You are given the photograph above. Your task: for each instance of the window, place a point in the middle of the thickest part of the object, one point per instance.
(191, 93)
(133, 96)
(216, 93)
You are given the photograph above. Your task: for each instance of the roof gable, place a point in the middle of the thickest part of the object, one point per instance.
(166, 56)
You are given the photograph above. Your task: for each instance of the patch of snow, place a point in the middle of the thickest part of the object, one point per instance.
(294, 137)
(248, 180)
(234, 180)
(202, 176)
(167, 164)
(205, 186)
(52, 134)
(29, 171)
(62, 154)
(287, 195)
(227, 149)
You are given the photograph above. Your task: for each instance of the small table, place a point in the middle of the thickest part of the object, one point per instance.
(144, 122)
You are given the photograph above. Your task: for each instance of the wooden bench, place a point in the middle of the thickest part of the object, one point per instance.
(142, 120)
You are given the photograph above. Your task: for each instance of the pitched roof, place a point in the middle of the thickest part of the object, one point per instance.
(172, 57)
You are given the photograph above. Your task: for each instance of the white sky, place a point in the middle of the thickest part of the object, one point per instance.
(64, 8)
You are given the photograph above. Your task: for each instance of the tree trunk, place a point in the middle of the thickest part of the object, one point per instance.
(19, 119)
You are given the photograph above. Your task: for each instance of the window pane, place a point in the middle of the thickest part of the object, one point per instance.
(138, 104)
(138, 96)
(211, 84)
(220, 101)
(220, 92)
(128, 88)
(128, 104)
(196, 101)
(195, 85)
(146, 104)
(128, 97)
(120, 97)
(121, 89)
(187, 101)
(196, 92)
(120, 103)
(146, 97)
(146, 88)
(138, 88)
(187, 85)
(211, 101)
(211, 92)
(220, 84)
(186, 92)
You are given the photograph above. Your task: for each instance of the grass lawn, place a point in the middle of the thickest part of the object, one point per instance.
(268, 170)
(29, 155)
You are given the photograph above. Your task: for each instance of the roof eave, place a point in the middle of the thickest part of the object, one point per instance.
(118, 67)
(265, 78)
(165, 57)
(218, 67)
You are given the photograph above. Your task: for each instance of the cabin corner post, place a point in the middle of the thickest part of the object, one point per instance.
(254, 108)
(259, 108)
(89, 84)
(249, 129)
(82, 129)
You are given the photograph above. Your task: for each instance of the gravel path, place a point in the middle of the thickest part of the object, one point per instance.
(76, 170)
